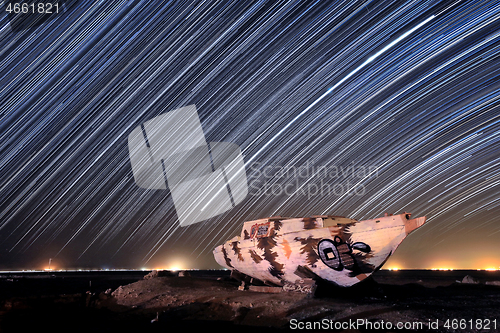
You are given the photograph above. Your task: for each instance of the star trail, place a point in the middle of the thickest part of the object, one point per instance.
(352, 108)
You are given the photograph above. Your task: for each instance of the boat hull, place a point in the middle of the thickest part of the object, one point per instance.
(342, 251)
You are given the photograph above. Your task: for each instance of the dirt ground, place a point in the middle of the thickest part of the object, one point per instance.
(170, 303)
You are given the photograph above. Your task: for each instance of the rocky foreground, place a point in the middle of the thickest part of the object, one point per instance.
(180, 301)
(171, 302)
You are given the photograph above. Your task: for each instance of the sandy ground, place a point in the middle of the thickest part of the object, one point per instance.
(171, 303)
(421, 306)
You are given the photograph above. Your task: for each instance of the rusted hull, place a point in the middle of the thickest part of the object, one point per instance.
(339, 250)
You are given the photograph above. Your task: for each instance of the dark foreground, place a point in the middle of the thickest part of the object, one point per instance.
(406, 301)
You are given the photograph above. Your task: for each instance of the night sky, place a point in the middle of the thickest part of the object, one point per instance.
(399, 101)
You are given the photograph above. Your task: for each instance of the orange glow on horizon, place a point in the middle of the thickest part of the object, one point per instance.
(481, 265)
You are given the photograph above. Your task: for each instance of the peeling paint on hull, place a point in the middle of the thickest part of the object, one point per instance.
(279, 250)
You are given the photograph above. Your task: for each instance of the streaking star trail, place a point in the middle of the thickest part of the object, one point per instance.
(347, 108)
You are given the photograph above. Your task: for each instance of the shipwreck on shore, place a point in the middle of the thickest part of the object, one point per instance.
(294, 252)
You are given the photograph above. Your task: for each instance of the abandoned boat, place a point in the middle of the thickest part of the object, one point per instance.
(281, 251)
